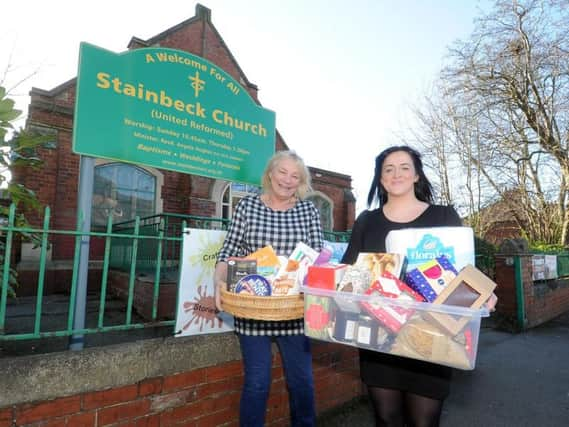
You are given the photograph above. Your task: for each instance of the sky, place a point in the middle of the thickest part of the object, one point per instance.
(340, 75)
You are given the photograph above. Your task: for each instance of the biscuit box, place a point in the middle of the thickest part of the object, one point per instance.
(253, 284)
(420, 337)
(237, 268)
(423, 244)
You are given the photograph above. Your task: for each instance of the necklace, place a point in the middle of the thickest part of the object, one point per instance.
(279, 205)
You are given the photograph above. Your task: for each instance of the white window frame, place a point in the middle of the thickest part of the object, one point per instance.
(218, 191)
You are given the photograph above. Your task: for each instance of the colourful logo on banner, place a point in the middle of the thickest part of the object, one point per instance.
(196, 312)
(429, 247)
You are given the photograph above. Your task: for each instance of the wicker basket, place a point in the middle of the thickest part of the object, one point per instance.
(263, 308)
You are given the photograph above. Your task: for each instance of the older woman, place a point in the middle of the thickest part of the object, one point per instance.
(279, 217)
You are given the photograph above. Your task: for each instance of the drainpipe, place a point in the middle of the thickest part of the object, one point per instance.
(521, 308)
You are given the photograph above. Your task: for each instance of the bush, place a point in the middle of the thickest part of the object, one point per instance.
(19, 150)
(485, 252)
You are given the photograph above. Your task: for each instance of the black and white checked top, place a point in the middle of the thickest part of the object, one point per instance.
(255, 226)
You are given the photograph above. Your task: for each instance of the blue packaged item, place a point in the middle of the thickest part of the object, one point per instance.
(253, 284)
(430, 278)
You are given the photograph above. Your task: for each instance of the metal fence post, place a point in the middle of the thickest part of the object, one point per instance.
(86, 179)
(520, 302)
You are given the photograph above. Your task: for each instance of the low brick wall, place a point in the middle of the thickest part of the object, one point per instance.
(143, 294)
(543, 300)
(57, 279)
(158, 382)
(546, 300)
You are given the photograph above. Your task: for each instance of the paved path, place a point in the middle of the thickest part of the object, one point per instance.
(521, 380)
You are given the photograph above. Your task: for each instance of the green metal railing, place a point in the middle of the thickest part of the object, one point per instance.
(337, 236)
(143, 245)
(563, 264)
(155, 240)
(171, 225)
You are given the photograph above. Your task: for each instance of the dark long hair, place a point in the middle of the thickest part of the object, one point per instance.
(423, 188)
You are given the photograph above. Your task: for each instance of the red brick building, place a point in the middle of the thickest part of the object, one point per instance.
(145, 190)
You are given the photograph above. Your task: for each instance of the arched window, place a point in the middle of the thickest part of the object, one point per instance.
(123, 191)
(235, 191)
(324, 206)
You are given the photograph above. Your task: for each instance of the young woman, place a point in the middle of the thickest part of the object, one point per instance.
(280, 218)
(403, 392)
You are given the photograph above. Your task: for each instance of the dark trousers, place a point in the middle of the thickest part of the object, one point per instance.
(297, 364)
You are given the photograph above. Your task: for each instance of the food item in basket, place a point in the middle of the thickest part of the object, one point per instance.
(430, 278)
(253, 284)
(345, 323)
(471, 288)
(292, 265)
(266, 257)
(393, 316)
(267, 261)
(281, 286)
(384, 339)
(377, 263)
(237, 268)
(317, 316)
(324, 256)
(366, 331)
(356, 280)
(465, 339)
(326, 276)
(370, 334)
(420, 339)
(297, 265)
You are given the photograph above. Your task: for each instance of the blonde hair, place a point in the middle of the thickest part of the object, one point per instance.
(304, 188)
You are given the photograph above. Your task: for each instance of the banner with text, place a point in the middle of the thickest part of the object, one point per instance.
(169, 109)
(196, 312)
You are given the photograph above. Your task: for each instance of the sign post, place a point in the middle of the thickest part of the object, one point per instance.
(86, 172)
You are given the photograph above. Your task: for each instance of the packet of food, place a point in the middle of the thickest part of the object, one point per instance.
(267, 261)
(296, 267)
(237, 268)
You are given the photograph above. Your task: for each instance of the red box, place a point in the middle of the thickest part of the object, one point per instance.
(326, 276)
(392, 316)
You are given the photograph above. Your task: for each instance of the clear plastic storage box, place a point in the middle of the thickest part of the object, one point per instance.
(442, 334)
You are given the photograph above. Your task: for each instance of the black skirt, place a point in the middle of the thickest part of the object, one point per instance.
(401, 373)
